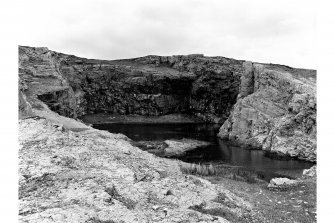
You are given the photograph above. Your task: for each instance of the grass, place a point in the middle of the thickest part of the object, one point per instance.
(297, 204)
(213, 211)
(96, 220)
(130, 204)
(223, 212)
(234, 173)
(199, 169)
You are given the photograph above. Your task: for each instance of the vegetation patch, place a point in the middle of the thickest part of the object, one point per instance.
(223, 199)
(223, 212)
(35, 184)
(234, 173)
(130, 204)
(212, 211)
(96, 220)
(199, 169)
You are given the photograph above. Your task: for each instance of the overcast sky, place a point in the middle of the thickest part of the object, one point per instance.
(263, 31)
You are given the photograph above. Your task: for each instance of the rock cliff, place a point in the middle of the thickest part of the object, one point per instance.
(275, 111)
(272, 107)
(200, 86)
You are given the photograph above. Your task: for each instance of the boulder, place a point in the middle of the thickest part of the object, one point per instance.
(282, 182)
(309, 173)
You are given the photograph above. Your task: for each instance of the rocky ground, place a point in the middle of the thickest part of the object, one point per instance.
(294, 203)
(95, 176)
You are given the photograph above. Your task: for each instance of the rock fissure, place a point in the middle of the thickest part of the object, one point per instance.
(275, 111)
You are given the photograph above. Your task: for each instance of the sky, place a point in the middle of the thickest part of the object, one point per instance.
(282, 32)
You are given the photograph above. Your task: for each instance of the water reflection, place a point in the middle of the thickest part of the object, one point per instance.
(219, 152)
(255, 159)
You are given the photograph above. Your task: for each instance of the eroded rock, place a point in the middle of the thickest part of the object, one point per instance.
(275, 111)
(205, 87)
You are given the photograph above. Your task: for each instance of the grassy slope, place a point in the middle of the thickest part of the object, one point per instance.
(296, 204)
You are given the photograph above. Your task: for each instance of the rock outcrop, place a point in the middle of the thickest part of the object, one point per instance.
(200, 86)
(275, 111)
(171, 147)
(310, 173)
(277, 183)
(272, 107)
(179, 147)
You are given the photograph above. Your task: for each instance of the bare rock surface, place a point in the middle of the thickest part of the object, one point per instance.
(171, 147)
(96, 176)
(272, 107)
(310, 173)
(179, 147)
(282, 182)
(275, 111)
(204, 87)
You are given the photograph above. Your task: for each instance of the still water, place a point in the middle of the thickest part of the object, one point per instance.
(219, 152)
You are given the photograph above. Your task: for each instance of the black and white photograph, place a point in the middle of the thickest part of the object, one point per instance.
(166, 111)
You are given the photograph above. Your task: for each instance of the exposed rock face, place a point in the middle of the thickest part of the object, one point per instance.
(214, 91)
(275, 111)
(24, 106)
(272, 107)
(206, 87)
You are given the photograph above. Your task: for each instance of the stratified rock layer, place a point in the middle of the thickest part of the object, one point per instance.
(272, 107)
(206, 87)
(275, 111)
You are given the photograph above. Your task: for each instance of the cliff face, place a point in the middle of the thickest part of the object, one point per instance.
(271, 107)
(206, 87)
(275, 110)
